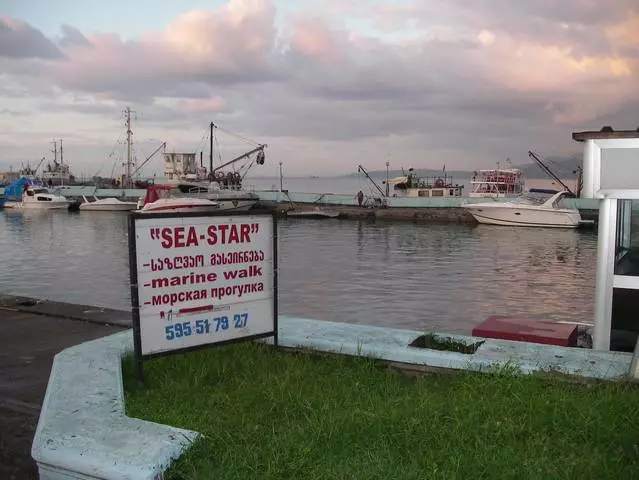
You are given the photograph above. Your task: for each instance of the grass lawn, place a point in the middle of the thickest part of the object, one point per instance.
(269, 414)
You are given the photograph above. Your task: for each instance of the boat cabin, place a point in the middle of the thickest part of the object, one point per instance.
(410, 185)
(156, 192)
(498, 182)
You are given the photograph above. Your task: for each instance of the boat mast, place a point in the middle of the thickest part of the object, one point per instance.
(129, 134)
(211, 126)
(55, 151)
(61, 163)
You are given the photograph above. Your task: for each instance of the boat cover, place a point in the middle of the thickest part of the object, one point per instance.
(13, 192)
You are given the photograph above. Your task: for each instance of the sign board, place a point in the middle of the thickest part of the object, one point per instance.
(201, 279)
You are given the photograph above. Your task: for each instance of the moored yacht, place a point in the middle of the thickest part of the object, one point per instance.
(167, 199)
(106, 204)
(532, 209)
(27, 193)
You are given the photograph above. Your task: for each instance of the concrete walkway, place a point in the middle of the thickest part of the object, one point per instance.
(28, 342)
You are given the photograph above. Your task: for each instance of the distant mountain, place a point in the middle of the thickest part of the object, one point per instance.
(560, 166)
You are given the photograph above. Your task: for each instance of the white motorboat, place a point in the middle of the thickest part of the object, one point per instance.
(163, 199)
(528, 210)
(36, 197)
(106, 204)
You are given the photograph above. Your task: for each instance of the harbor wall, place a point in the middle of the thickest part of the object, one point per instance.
(441, 209)
(419, 209)
(402, 202)
(285, 197)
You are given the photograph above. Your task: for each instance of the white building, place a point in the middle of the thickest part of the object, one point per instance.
(611, 174)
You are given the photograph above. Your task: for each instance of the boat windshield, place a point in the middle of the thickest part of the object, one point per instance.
(532, 199)
(39, 190)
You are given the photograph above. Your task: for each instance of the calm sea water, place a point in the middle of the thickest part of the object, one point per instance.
(435, 277)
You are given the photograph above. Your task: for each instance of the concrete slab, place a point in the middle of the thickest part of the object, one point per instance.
(392, 345)
(83, 432)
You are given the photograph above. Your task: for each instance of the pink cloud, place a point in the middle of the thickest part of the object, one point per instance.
(313, 38)
(229, 45)
(208, 105)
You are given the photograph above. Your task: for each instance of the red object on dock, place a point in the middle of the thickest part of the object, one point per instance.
(527, 330)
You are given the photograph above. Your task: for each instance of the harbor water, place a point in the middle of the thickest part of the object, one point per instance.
(445, 278)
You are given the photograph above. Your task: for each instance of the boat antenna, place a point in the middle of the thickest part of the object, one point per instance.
(61, 154)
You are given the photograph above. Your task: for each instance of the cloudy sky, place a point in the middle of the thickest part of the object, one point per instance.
(328, 84)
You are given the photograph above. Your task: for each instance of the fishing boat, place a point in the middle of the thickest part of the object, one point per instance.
(532, 209)
(410, 185)
(58, 172)
(224, 187)
(497, 182)
(106, 204)
(29, 193)
(167, 199)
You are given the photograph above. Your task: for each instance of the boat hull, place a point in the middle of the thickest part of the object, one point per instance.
(521, 217)
(107, 208)
(179, 207)
(107, 205)
(492, 195)
(236, 205)
(37, 205)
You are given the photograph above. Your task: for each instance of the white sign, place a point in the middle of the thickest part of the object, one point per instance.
(203, 280)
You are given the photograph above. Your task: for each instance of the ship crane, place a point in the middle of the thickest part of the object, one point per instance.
(39, 164)
(549, 172)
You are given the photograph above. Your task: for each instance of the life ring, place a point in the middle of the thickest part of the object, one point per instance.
(439, 183)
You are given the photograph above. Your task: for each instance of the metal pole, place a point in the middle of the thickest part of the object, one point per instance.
(211, 148)
(605, 273)
(281, 178)
(127, 180)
